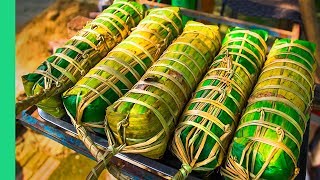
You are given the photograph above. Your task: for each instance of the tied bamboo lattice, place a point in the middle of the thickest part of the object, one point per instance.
(269, 136)
(142, 121)
(206, 126)
(73, 60)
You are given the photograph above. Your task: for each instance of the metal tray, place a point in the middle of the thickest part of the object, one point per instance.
(133, 165)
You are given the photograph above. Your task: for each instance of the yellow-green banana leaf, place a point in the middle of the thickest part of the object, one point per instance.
(113, 76)
(144, 119)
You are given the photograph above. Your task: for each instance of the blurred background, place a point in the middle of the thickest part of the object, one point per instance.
(44, 25)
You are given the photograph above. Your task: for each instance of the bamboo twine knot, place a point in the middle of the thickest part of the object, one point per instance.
(122, 125)
(158, 47)
(279, 130)
(92, 26)
(124, 122)
(58, 83)
(227, 128)
(101, 38)
(85, 56)
(185, 170)
(112, 150)
(82, 72)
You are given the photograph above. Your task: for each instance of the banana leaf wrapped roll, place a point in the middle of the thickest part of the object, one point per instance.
(79, 54)
(115, 74)
(143, 119)
(207, 124)
(267, 141)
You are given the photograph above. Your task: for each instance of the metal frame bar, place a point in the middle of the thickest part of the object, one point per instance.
(230, 21)
(276, 32)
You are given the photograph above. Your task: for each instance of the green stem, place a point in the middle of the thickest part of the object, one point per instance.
(32, 100)
(183, 172)
(179, 175)
(105, 163)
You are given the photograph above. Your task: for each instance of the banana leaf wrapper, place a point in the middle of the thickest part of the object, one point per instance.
(73, 60)
(145, 117)
(269, 136)
(115, 74)
(207, 124)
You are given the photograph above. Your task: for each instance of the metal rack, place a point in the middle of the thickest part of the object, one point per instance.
(137, 166)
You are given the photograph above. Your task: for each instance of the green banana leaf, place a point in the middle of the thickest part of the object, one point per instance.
(113, 76)
(268, 139)
(144, 118)
(73, 60)
(206, 126)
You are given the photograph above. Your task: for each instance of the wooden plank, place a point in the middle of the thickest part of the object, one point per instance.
(311, 27)
(36, 161)
(25, 174)
(46, 169)
(25, 156)
(44, 142)
(295, 31)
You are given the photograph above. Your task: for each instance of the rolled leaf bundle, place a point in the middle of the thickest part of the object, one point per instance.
(73, 60)
(206, 126)
(142, 120)
(115, 74)
(268, 139)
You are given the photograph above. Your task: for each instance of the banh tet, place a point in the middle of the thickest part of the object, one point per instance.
(142, 121)
(202, 137)
(78, 55)
(267, 141)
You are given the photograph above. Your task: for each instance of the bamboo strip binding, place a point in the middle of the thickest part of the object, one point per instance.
(118, 74)
(286, 80)
(202, 111)
(109, 76)
(157, 79)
